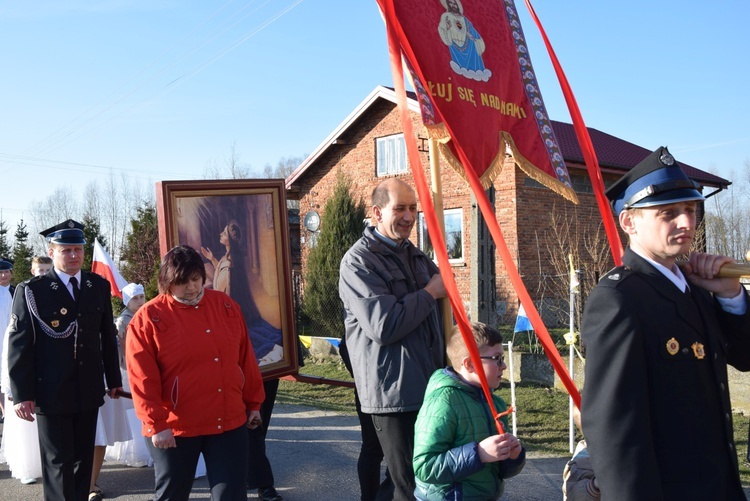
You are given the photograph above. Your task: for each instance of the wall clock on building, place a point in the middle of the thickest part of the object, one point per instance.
(312, 221)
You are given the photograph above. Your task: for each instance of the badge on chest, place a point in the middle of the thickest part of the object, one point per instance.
(673, 348)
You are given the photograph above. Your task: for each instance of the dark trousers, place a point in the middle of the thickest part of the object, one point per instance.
(66, 443)
(396, 435)
(371, 453)
(226, 466)
(370, 456)
(259, 472)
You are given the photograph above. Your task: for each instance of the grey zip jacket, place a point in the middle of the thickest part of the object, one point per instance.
(394, 329)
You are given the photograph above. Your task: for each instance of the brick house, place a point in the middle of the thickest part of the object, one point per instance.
(539, 226)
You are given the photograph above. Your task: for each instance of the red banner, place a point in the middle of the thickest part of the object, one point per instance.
(477, 88)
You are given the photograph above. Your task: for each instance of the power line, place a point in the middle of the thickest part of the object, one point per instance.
(56, 144)
(70, 166)
(238, 43)
(40, 145)
(186, 76)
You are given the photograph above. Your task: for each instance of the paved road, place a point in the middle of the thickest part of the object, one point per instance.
(314, 455)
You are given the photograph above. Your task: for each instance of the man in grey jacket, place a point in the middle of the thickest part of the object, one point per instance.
(393, 327)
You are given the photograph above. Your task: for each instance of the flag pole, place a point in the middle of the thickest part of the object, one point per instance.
(437, 202)
(571, 360)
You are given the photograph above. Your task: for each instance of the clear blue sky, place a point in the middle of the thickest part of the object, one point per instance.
(161, 88)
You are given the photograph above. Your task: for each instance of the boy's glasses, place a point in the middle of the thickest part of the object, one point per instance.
(499, 359)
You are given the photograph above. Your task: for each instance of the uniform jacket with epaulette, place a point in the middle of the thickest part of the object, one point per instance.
(656, 411)
(62, 374)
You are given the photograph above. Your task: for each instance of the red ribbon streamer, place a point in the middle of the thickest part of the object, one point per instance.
(587, 147)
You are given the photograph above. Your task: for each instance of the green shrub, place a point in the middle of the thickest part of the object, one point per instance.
(341, 226)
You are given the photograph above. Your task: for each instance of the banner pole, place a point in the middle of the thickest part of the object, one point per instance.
(571, 370)
(512, 384)
(571, 359)
(437, 201)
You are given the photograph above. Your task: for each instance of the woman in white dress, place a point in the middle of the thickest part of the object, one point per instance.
(20, 443)
(130, 452)
(113, 426)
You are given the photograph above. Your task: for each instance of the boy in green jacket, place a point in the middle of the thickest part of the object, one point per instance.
(458, 454)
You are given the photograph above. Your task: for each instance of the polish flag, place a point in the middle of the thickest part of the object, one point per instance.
(103, 265)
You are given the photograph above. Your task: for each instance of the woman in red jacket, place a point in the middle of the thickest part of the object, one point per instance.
(195, 381)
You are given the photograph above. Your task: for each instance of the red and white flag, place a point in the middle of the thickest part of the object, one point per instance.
(103, 265)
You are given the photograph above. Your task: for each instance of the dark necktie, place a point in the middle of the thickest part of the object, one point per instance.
(76, 291)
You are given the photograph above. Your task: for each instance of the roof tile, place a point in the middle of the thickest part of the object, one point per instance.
(615, 153)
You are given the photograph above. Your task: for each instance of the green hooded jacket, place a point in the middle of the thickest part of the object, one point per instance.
(453, 419)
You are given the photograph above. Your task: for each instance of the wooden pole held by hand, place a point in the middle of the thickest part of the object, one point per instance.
(735, 270)
(437, 200)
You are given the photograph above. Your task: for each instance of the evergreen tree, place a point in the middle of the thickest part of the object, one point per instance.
(341, 226)
(140, 252)
(91, 231)
(22, 254)
(4, 244)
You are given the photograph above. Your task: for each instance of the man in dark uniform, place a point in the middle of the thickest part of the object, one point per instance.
(656, 410)
(62, 344)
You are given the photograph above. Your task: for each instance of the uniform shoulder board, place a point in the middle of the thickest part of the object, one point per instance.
(32, 280)
(615, 276)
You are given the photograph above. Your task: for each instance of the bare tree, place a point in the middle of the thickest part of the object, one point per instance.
(727, 220)
(133, 195)
(230, 169)
(284, 167)
(109, 219)
(572, 233)
(92, 205)
(62, 204)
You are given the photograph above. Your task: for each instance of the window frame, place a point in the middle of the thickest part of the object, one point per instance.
(422, 234)
(390, 155)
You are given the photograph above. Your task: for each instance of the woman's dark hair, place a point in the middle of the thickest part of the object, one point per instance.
(178, 266)
(233, 230)
(236, 249)
(240, 289)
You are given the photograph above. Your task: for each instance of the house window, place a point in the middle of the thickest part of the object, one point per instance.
(454, 231)
(391, 155)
